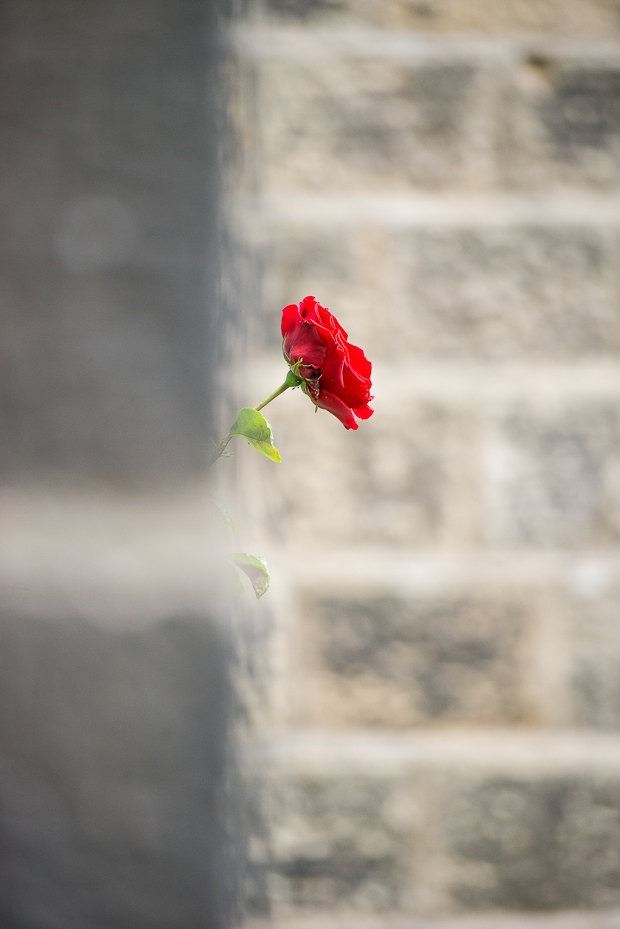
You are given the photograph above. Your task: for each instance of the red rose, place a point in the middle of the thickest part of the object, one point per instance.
(336, 375)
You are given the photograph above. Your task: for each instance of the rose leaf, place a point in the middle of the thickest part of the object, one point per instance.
(252, 426)
(255, 568)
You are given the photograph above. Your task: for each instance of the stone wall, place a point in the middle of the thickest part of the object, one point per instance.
(444, 710)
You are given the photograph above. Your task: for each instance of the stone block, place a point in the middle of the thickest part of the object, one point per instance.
(383, 660)
(503, 293)
(343, 270)
(553, 475)
(344, 116)
(591, 608)
(500, 293)
(347, 120)
(555, 16)
(298, 263)
(331, 846)
(562, 123)
(444, 825)
(385, 483)
(533, 844)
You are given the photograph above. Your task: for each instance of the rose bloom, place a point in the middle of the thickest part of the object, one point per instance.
(336, 374)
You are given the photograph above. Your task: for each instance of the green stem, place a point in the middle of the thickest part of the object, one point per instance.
(276, 393)
(219, 450)
(292, 380)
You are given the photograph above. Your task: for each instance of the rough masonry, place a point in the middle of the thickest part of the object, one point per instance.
(443, 727)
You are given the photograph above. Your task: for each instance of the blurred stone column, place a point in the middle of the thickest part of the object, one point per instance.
(113, 677)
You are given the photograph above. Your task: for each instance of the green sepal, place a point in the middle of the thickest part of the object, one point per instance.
(255, 568)
(294, 378)
(252, 426)
(224, 512)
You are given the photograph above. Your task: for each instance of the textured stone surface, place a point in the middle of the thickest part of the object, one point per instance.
(503, 293)
(466, 829)
(331, 846)
(299, 262)
(345, 268)
(376, 122)
(554, 476)
(386, 661)
(591, 609)
(538, 844)
(565, 919)
(553, 16)
(562, 123)
(453, 199)
(385, 483)
(543, 116)
(498, 293)
(590, 16)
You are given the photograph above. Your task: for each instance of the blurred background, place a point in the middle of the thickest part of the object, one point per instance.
(440, 739)
(429, 694)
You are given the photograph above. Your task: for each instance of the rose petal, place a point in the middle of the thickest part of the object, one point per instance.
(331, 323)
(356, 391)
(291, 320)
(331, 403)
(308, 309)
(358, 362)
(306, 346)
(333, 368)
(314, 336)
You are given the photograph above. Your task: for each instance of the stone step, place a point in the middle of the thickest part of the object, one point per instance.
(372, 109)
(435, 823)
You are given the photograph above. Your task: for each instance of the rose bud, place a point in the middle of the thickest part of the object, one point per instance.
(334, 373)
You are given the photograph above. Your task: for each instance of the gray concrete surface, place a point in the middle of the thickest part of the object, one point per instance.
(116, 698)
